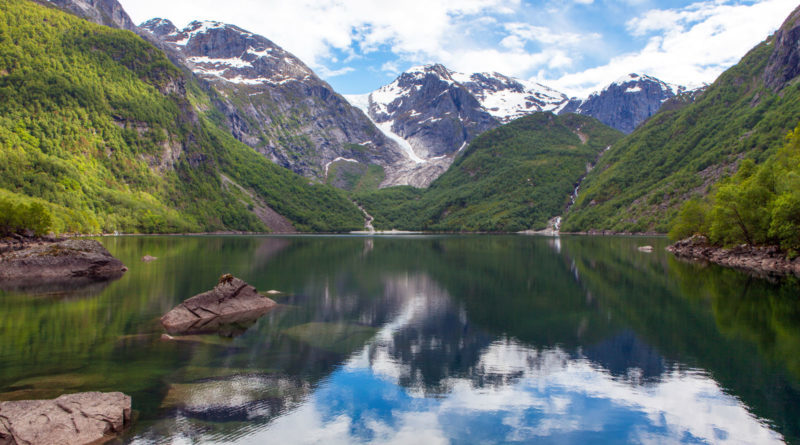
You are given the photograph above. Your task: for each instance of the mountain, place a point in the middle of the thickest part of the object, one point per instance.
(101, 129)
(274, 103)
(102, 12)
(685, 149)
(434, 112)
(627, 102)
(515, 177)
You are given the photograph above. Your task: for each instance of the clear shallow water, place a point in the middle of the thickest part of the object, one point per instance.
(473, 339)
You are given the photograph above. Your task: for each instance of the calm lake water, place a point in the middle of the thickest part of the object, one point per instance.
(423, 340)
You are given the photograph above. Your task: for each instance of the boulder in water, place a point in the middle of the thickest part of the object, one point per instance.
(231, 301)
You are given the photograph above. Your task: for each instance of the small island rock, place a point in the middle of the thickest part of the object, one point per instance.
(148, 258)
(231, 301)
(646, 249)
(61, 261)
(75, 419)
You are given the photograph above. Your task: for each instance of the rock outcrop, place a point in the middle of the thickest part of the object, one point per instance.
(75, 419)
(784, 63)
(626, 103)
(73, 261)
(754, 259)
(231, 301)
(103, 12)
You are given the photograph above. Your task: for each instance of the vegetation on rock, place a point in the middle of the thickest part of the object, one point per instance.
(104, 131)
(682, 151)
(512, 178)
(759, 205)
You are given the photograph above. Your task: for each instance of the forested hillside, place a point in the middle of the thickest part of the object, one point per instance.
(101, 129)
(759, 205)
(512, 178)
(682, 152)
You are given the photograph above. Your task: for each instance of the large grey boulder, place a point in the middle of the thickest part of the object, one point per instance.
(231, 301)
(75, 419)
(75, 261)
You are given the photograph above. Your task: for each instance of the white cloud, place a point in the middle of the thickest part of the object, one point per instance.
(688, 46)
(325, 72)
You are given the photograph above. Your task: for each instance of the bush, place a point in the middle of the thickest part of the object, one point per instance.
(19, 218)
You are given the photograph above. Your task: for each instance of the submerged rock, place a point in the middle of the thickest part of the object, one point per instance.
(72, 261)
(760, 260)
(75, 419)
(232, 301)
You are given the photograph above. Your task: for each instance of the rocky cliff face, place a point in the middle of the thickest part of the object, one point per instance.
(784, 64)
(276, 104)
(103, 12)
(626, 103)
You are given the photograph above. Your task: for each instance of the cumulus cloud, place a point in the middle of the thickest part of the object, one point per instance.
(535, 39)
(689, 46)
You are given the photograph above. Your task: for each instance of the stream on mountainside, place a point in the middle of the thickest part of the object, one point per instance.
(425, 339)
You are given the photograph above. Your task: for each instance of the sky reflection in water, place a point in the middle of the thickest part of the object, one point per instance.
(424, 340)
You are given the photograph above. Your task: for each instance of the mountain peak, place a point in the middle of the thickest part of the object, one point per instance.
(217, 50)
(160, 27)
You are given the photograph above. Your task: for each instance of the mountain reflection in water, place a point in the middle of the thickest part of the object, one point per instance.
(429, 339)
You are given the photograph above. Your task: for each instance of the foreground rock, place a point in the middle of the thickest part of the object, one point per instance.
(75, 419)
(231, 301)
(74, 261)
(759, 260)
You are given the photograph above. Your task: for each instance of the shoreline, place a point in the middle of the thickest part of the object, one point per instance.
(545, 232)
(761, 261)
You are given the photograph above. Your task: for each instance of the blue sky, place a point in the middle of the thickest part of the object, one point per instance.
(575, 46)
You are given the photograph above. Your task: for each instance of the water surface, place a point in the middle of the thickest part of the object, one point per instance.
(424, 339)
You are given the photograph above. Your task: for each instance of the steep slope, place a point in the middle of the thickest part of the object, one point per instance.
(512, 178)
(101, 128)
(102, 12)
(276, 104)
(682, 151)
(625, 103)
(432, 111)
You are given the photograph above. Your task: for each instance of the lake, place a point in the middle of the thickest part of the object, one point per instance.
(423, 340)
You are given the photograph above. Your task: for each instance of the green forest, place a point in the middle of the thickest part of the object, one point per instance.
(512, 178)
(759, 205)
(103, 131)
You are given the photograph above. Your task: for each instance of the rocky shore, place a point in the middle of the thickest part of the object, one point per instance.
(758, 260)
(70, 262)
(75, 419)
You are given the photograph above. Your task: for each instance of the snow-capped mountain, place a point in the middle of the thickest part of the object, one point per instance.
(429, 109)
(626, 102)
(434, 112)
(277, 104)
(219, 51)
(507, 98)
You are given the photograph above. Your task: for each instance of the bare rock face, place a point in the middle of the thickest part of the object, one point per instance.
(784, 64)
(231, 301)
(70, 261)
(626, 103)
(75, 419)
